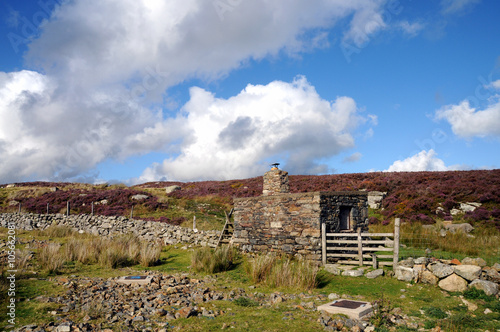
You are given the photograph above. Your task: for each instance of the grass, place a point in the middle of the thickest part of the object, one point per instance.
(283, 271)
(244, 313)
(210, 260)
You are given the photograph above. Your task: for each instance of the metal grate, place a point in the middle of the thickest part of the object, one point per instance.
(347, 304)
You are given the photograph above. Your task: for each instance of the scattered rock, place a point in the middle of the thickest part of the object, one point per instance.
(375, 273)
(470, 306)
(171, 189)
(353, 273)
(333, 269)
(139, 197)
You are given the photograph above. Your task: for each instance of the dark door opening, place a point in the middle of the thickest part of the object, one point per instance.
(345, 218)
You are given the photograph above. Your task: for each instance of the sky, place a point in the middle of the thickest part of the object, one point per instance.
(134, 91)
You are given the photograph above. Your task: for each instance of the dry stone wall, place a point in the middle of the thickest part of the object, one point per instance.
(112, 226)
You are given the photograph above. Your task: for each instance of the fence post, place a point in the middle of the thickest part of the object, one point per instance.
(360, 247)
(67, 209)
(92, 209)
(132, 212)
(323, 243)
(19, 208)
(194, 223)
(395, 258)
(47, 208)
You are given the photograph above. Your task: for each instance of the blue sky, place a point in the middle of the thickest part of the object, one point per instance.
(145, 90)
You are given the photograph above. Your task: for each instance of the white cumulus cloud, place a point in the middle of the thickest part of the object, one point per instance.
(467, 121)
(422, 161)
(240, 136)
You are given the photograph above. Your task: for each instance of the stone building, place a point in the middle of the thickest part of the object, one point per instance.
(291, 223)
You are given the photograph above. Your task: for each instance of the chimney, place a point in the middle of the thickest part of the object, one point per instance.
(275, 182)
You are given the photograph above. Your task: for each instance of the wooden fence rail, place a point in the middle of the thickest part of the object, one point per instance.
(361, 248)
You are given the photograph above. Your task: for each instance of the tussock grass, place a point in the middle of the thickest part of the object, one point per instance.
(149, 254)
(23, 256)
(56, 231)
(283, 271)
(122, 251)
(210, 260)
(51, 257)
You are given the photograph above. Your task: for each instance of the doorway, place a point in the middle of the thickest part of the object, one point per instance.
(345, 218)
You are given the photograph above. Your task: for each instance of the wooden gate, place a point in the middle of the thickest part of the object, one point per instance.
(361, 248)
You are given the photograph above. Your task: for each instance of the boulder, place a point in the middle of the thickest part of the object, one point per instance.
(404, 273)
(489, 288)
(468, 272)
(139, 197)
(353, 273)
(469, 206)
(491, 274)
(171, 189)
(453, 283)
(409, 262)
(496, 266)
(464, 228)
(474, 261)
(333, 269)
(427, 277)
(375, 273)
(375, 198)
(441, 270)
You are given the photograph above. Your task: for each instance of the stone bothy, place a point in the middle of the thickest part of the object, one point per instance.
(291, 222)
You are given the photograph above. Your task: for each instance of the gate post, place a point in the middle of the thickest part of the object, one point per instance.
(360, 247)
(323, 243)
(395, 258)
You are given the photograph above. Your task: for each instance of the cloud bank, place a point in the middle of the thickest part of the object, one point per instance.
(97, 88)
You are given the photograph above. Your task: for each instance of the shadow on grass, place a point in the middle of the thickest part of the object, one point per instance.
(323, 278)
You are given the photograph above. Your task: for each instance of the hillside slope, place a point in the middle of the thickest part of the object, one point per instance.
(412, 196)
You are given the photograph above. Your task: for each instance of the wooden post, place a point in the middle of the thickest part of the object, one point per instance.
(194, 223)
(395, 258)
(374, 261)
(47, 208)
(360, 247)
(92, 213)
(323, 242)
(67, 209)
(132, 212)
(19, 207)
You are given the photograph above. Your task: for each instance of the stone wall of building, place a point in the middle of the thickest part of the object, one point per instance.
(355, 202)
(291, 223)
(287, 223)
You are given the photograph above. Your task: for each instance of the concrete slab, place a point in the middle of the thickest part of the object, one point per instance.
(352, 309)
(135, 280)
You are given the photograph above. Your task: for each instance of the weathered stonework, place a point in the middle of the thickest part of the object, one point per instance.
(291, 223)
(275, 182)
